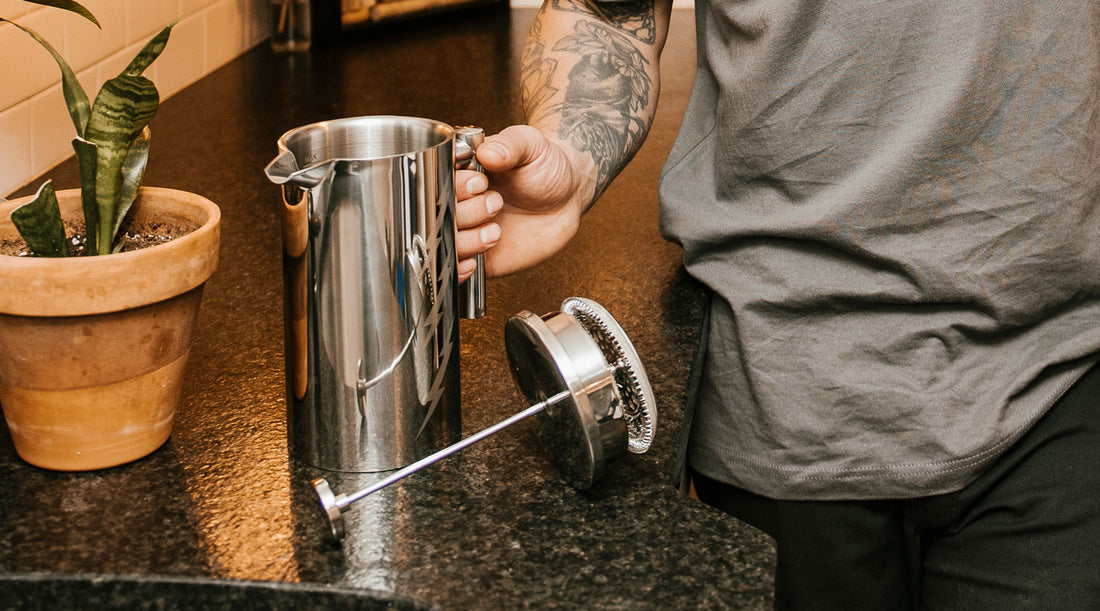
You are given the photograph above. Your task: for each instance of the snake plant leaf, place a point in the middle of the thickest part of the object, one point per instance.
(150, 51)
(86, 159)
(39, 222)
(75, 98)
(69, 5)
(123, 108)
(133, 168)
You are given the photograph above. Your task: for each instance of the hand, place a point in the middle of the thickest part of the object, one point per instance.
(534, 207)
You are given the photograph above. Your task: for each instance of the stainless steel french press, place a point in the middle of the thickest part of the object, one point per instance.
(371, 296)
(371, 308)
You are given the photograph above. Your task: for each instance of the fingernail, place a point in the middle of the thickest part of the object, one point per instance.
(493, 202)
(477, 184)
(490, 234)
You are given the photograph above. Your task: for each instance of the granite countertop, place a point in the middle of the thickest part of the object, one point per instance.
(221, 513)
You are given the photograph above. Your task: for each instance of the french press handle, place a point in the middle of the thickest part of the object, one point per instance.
(471, 300)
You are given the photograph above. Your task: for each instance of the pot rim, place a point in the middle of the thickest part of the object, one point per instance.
(75, 286)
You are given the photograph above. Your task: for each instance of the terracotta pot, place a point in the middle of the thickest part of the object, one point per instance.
(93, 349)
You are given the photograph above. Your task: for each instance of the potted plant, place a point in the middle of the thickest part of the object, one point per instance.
(95, 325)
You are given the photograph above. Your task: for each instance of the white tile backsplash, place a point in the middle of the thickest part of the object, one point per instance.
(52, 128)
(184, 59)
(194, 6)
(35, 129)
(85, 44)
(11, 9)
(15, 145)
(26, 67)
(145, 19)
(226, 33)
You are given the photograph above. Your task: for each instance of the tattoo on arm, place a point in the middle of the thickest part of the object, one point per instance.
(535, 74)
(608, 91)
(633, 17)
(603, 109)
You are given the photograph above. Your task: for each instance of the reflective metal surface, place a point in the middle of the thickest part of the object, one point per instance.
(472, 298)
(583, 376)
(554, 353)
(639, 407)
(582, 350)
(371, 303)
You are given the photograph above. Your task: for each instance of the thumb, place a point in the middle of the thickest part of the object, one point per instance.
(515, 146)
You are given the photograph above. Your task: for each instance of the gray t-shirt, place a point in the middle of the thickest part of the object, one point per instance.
(897, 206)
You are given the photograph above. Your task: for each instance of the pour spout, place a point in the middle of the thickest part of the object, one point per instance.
(284, 170)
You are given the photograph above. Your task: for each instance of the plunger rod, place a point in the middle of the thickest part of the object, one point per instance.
(343, 501)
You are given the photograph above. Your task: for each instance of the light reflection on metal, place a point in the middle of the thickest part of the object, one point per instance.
(371, 302)
(587, 385)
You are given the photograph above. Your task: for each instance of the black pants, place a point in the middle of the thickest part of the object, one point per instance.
(1024, 535)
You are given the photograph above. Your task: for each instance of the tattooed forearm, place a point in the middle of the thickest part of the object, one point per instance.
(607, 96)
(633, 17)
(536, 73)
(589, 77)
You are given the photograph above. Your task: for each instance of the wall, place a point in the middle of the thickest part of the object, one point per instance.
(538, 3)
(35, 129)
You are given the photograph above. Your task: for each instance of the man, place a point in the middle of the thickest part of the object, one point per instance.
(896, 206)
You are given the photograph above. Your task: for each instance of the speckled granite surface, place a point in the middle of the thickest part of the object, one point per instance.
(221, 506)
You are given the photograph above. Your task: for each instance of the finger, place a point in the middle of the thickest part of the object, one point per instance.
(515, 146)
(470, 242)
(466, 268)
(469, 183)
(478, 210)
